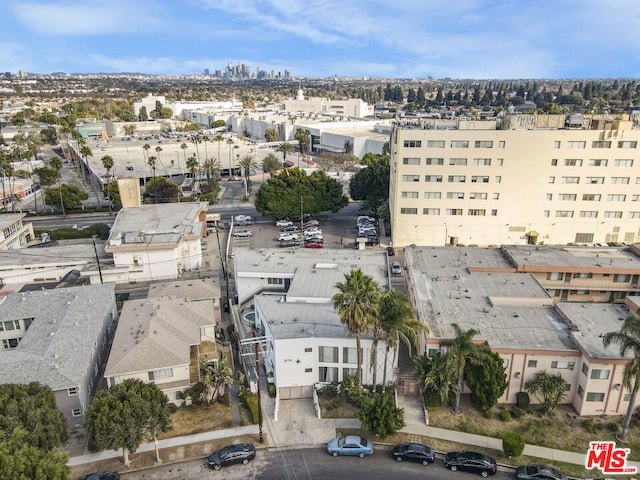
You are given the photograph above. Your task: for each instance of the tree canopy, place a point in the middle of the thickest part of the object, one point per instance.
(72, 196)
(487, 380)
(284, 195)
(371, 184)
(550, 389)
(162, 190)
(126, 415)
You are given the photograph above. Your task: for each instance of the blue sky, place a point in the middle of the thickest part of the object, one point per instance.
(370, 38)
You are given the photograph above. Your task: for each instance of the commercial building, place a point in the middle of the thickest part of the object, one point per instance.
(520, 179)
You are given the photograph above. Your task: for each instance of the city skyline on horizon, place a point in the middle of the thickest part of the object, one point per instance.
(484, 39)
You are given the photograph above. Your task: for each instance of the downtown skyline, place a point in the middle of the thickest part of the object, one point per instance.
(321, 38)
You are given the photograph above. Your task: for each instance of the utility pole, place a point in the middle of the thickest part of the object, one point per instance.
(260, 434)
(95, 249)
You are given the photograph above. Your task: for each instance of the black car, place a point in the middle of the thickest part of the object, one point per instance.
(470, 462)
(539, 472)
(236, 453)
(390, 251)
(102, 476)
(414, 452)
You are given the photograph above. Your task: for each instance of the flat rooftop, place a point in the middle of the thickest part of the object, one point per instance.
(596, 259)
(508, 310)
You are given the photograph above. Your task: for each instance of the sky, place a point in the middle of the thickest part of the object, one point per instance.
(462, 39)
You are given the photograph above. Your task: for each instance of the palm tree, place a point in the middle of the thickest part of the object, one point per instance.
(184, 147)
(107, 163)
(205, 139)
(229, 143)
(218, 138)
(397, 323)
(462, 350)
(628, 339)
(196, 140)
(5, 164)
(247, 163)
(303, 136)
(271, 164)
(146, 147)
(285, 148)
(211, 168)
(85, 153)
(56, 164)
(193, 165)
(438, 374)
(357, 303)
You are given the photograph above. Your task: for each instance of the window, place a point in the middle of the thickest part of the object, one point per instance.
(584, 238)
(409, 195)
(612, 214)
(482, 162)
(501, 144)
(598, 162)
(570, 180)
(76, 412)
(554, 162)
(549, 196)
(588, 214)
(532, 364)
(567, 197)
(496, 196)
(573, 162)
(558, 276)
(308, 349)
(434, 161)
(600, 374)
(595, 397)
(457, 161)
(484, 144)
(454, 211)
(72, 391)
(580, 391)
(476, 212)
(595, 180)
(432, 352)
(546, 213)
(494, 212)
(564, 213)
(455, 195)
(412, 143)
(480, 179)
(498, 179)
(623, 163)
(308, 370)
(585, 368)
(563, 365)
(459, 144)
(616, 197)
(349, 355)
(627, 144)
(409, 211)
(10, 343)
(621, 278)
(457, 179)
(435, 143)
(556, 144)
(411, 161)
(275, 281)
(591, 197)
(328, 374)
(635, 198)
(349, 371)
(637, 180)
(137, 260)
(433, 195)
(328, 354)
(9, 325)
(431, 211)
(160, 374)
(433, 178)
(634, 214)
(410, 178)
(478, 196)
(576, 144)
(551, 180)
(600, 144)
(620, 180)
(500, 162)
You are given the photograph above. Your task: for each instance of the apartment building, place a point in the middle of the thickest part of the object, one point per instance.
(520, 179)
(14, 233)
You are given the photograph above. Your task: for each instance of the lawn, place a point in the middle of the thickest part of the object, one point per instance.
(203, 418)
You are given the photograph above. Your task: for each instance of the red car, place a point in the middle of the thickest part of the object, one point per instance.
(313, 245)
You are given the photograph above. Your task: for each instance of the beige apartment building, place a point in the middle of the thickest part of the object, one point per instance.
(520, 179)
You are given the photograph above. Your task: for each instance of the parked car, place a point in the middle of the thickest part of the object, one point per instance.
(414, 452)
(473, 462)
(203, 244)
(225, 225)
(287, 236)
(242, 233)
(311, 230)
(537, 471)
(236, 453)
(396, 269)
(289, 243)
(313, 238)
(284, 223)
(311, 223)
(350, 445)
(102, 476)
(390, 251)
(290, 228)
(313, 244)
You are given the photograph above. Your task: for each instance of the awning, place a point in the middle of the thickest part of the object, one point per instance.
(532, 233)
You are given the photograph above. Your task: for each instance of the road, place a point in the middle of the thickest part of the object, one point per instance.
(310, 463)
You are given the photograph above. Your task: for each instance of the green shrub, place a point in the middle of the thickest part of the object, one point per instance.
(614, 427)
(523, 400)
(517, 412)
(328, 392)
(432, 400)
(505, 416)
(590, 426)
(488, 414)
(271, 387)
(512, 445)
(251, 401)
(173, 408)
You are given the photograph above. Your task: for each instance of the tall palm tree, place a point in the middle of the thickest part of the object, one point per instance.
(270, 164)
(205, 139)
(184, 147)
(303, 135)
(357, 303)
(211, 169)
(398, 324)
(56, 164)
(248, 163)
(285, 148)
(5, 163)
(193, 165)
(628, 339)
(461, 350)
(197, 140)
(218, 138)
(230, 143)
(107, 163)
(146, 147)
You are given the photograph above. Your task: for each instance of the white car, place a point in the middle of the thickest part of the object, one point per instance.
(242, 233)
(284, 223)
(309, 231)
(287, 236)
